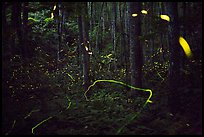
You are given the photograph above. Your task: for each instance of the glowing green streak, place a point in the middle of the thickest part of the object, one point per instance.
(69, 103)
(14, 122)
(124, 84)
(51, 116)
(40, 124)
(160, 76)
(31, 113)
(70, 76)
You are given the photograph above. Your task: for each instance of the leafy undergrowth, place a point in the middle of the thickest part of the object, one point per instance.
(37, 94)
(106, 112)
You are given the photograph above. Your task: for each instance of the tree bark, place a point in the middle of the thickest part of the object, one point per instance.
(114, 18)
(25, 48)
(136, 56)
(174, 48)
(59, 23)
(16, 27)
(84, 38)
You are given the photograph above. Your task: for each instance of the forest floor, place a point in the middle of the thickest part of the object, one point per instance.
(59, 107)
(106, 113)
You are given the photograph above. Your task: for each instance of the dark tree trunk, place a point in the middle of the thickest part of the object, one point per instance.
(16, 27)
(25, 48)
(114, 18)
(136, 55)
(4, 15)
(174, 48)
(59, 23)
(19, 24)
(84, 38)
(4, 24)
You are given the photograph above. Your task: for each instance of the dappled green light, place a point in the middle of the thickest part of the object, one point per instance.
(186, 47)
(46, 20)
(165, 17)
(124, 84)
(108, 56)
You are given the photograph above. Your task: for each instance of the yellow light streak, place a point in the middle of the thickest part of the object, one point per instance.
(52, 15)
(121, 83)
(165, 17)
(86, 48)
(134, 14)
(186, 47)
(144, 12)
(54, 7)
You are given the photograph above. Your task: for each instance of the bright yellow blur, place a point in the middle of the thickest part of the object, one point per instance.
(186, 47)
(144, 12)
(165, 17)
(54, 7)
(52, 15)
(86, 48)
(134, 14)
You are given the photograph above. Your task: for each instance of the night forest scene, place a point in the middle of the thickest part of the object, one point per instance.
(101, 68)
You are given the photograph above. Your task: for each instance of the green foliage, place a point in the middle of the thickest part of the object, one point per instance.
(73, 26)
(47, 20)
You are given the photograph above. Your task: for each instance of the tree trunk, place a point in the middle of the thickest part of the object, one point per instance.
(25, 48)
(5, 38)
(174, 48)
(91, 23)
(99, 30)
(59, 23)
(84, 38)
(135, 47)
(16, 27)
(114, 18)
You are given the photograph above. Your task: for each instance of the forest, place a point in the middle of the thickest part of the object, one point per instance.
(101, 68)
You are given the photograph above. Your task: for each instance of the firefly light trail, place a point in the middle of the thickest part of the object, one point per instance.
(124, 84)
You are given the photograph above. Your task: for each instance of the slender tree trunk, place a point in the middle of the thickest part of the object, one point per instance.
(103, 24)
(16, 27)
(136, 56)
(114, 18)
(114, 22)
(174, 48)
(127, 42)
(99, 35)
(25, 31)
(5, 38)
(19, 23)
(91, 24)
(151, 31)
(59, 23)
(84, 38)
